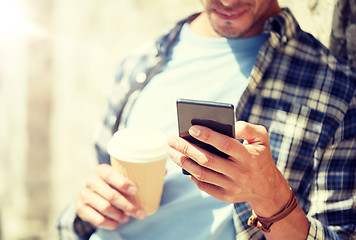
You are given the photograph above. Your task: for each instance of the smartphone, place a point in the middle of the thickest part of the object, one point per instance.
(217, 116)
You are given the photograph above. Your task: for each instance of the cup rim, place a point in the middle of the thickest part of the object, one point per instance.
(151, 145)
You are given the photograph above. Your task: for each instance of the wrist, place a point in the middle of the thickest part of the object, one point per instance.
(274, 200)
(265, 223)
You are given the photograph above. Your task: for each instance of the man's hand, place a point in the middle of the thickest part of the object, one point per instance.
(105, 199)
(248, 175)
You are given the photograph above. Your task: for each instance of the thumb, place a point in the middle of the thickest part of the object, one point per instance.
(251, 133)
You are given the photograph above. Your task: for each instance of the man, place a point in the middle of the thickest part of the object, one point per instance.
(293, 177)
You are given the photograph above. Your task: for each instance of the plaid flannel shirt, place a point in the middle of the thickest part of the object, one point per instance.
(303, 95)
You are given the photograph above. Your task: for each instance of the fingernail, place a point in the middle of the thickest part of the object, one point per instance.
(194, 131)
(125, 219)
(132, 190)
(172, 142)
(140, 214)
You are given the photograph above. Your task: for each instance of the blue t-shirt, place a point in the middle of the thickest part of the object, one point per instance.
(215, 69)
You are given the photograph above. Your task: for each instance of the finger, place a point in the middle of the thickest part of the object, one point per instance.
(226, 144)
(200, 172)
(116, 198)
(199, 155)
(213, 190)
(251, 133)
(103, 206)
(116, 180)
(88, 214)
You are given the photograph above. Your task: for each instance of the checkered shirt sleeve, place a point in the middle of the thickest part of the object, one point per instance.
(305, 97)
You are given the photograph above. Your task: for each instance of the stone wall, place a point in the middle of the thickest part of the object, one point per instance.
(343, 35)
(57, 60)
(314, 16)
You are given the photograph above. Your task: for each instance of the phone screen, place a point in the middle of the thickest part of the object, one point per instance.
(214, 115)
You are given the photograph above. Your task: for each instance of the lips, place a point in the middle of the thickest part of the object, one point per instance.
(227, 14)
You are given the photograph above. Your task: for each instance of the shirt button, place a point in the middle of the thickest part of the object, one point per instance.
(141, 77)
(112, 120)
(284, 39)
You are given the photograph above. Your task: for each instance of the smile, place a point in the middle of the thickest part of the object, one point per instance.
(229, 14)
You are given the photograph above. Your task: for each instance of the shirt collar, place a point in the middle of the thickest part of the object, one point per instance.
(284, 24)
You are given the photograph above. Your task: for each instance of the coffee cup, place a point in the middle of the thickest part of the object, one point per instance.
(140, 154)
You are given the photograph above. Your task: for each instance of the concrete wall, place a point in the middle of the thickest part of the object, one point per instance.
(57, 58)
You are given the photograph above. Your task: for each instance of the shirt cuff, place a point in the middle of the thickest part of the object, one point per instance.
(66, 229)
(318, 231)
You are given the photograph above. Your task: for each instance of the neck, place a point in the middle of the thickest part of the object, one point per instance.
(202, 27)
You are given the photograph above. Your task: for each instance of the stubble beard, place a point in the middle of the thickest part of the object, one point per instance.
(229, 31)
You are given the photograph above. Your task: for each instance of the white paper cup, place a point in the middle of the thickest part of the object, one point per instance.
(140, 154)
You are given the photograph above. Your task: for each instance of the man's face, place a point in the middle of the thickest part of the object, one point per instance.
(238, 18)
